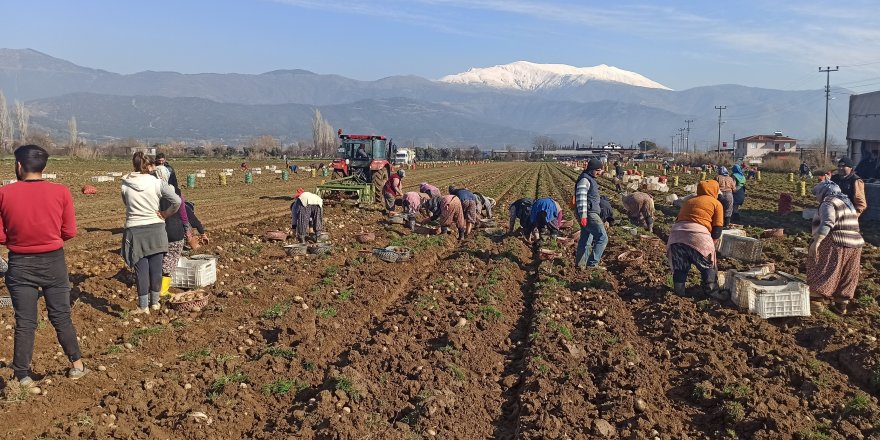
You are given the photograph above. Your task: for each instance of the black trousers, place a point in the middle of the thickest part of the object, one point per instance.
(29, 276)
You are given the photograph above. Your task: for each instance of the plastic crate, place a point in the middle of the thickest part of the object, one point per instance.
(99, 179)
(782, 296)
(741, 248)
(194, 273)
(729, 233)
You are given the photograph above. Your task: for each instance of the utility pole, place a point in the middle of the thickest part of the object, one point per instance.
(719, 108)
(672, 142)
(687, 136)
(680, 140)
(827, 71)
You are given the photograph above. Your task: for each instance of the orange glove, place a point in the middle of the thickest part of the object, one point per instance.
(584, 222)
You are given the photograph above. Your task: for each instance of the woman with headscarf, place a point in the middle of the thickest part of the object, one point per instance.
(307, 211)
(545, 215)
(726, 187)
(639, 208)
(692, 239)
(177, 228)
(412, 203)
(739, 192)
(446, 211)
(833, 260)
(431, 190)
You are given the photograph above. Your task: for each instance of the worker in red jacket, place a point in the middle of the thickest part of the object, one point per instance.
(36, 218)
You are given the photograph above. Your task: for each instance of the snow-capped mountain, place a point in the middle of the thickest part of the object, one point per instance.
(527, 76)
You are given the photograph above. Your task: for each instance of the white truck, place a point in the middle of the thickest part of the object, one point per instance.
(405, 156)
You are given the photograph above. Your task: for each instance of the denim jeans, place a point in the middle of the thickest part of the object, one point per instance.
(29, 274)
(594, 237)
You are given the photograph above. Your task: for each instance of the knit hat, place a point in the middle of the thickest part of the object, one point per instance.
(845, 161)
(594, 164)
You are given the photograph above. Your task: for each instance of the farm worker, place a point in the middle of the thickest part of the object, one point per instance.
(606, 212)
(361, 153)
(36, 218)
(412, 203)
(691, 239)
(726, 186)
(588, 213)
(833, 259)
(546, 214)
(144, 239)
(430, 190)
(446, 211)
(392, 190)
(162, 161)
(869, 167)
(850, 184)
(468, 205)
(639, 208)
(294, 168)
(618, 175)
(244, 166)
(804, 171)
(197, 224)
(739, 192)
(666, 166)
(484, 205)
(520, 210)
(307, 211)
(177, 228)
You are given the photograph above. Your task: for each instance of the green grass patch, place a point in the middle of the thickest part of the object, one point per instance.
(326, 312)
(345, 384)
(280, 352)
(490, 312)
(562, 329)
(345, 294)
(276, 310)
(283, 386)
(734, 411)
(115, 349)
(217, 387)
(143, 332)
(456, 371)
(738, 392)
(540, 365)
(196, 353)
(859, 403)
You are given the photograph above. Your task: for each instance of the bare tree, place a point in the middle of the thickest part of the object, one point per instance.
(73, 135)
(5, 123)
(259, 146)
(22, 117)
(322, 135)
(544, 143)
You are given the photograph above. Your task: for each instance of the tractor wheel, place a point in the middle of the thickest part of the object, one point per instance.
(336, 175)
(379, 179)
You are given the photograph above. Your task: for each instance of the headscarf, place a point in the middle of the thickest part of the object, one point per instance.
(738, 175)
(827, 191)
(722, 171)
(163, 173)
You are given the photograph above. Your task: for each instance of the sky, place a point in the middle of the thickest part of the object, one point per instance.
(682, 44)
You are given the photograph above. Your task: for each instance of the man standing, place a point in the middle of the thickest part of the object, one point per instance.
(850, 184)
(588, 211)
(36, 218)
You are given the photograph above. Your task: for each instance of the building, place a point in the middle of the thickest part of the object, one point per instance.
(863, 146)
(149, 151)
(757, 146)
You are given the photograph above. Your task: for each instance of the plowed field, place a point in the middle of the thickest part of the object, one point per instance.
(463, 341)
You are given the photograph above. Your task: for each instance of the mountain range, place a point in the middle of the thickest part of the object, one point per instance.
(489, 107)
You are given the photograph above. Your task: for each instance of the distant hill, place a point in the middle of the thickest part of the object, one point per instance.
(603, 103)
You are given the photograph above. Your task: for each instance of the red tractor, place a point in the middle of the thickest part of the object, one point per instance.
(364, 158)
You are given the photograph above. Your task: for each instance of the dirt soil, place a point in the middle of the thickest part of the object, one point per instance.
(474, 340)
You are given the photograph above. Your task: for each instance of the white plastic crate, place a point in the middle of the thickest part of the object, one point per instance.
(99, 179)
(200, 175)
(729, 233)
(741, 248)
(227, 170)
(114, 174)
(770, 296)
(7, 182)
(50, 176)
(190, 274)
(257, 171)
(692, 188)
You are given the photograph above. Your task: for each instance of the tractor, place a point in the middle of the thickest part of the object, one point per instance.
(361, 166)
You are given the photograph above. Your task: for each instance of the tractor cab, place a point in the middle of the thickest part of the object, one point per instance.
(362, 158)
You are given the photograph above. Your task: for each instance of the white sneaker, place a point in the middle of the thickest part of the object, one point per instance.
(140, 311)
(156, 306)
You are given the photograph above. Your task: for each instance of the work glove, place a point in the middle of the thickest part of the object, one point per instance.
(583, 222)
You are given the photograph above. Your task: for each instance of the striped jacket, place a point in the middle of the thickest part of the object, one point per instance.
(841, 223)
(586, 194)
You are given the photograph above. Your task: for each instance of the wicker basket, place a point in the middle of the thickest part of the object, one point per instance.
(189, 305)
(773, 233)
(393, 254)
(320, 249)
(366, 237)
(275, 235)
(295, 249)
(5, 301)
(632, 258)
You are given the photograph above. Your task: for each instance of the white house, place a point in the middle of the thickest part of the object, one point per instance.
(757, 146)
(149, 151)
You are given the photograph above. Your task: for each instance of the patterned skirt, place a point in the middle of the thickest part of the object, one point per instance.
(171, 257)
(834, 271)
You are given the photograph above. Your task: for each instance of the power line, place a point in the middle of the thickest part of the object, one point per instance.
(687, 136)
(719, 108)
(827, 70)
